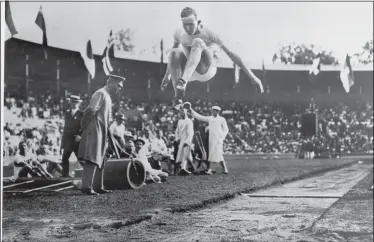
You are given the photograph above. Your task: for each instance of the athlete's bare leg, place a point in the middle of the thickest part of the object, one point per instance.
(194, 59)
(199, 60)
(177, 62)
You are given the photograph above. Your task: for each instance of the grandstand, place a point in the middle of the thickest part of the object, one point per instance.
(283, 81)
(267, 123)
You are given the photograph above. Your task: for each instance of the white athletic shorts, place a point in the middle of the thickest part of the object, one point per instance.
(203, 77)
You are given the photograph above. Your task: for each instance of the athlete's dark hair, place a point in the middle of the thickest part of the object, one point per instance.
(188, 12)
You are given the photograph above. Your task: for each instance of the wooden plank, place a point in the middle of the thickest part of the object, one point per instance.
(290, 196)
(13, 191)
(58, 179)
(18, 184)
(49, 186)
(64, 188)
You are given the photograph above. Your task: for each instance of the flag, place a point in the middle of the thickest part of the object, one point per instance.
(346, 75)
(105, 67)
(110, 36)
(236, 74)
(316, 66)
(41, 23)
(315, 70)
(264, 80)
(162, 68)
(89, 59)
(162, 50)
(107, 54)
(9, 19)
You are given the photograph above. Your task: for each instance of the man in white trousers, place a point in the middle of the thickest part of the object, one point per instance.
(218, 130)
(184, 135)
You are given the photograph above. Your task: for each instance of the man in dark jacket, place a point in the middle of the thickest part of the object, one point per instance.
(71, 134)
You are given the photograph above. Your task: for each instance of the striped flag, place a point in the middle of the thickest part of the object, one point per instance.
(107, 54)
(41, 23)
(89, 59)
(346, 74)
(315, 70)
(9, 19)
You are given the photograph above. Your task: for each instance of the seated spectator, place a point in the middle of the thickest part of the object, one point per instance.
(27, 164)
(152, 174)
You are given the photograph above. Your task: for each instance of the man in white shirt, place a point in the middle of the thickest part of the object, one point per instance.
(160, 151)
(184, 135)
(118, 129)
(147, 147)
(218, 131)
(158, 144)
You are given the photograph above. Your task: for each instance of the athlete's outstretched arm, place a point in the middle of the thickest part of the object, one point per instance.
(166, 79)
(239, 62)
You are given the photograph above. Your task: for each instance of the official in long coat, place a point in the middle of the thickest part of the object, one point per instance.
(218, 131)
(94, 142)
(184, 135)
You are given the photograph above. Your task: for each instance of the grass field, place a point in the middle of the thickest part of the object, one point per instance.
(178, 194)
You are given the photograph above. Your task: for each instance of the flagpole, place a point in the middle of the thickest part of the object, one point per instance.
(27, 76)
(58, 80)
(149, 88)
(162, 51)
(88, 83)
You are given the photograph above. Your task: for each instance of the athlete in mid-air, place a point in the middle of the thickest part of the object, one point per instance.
(191, 58)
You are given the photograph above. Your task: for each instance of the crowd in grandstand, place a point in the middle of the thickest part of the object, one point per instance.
(254, 128)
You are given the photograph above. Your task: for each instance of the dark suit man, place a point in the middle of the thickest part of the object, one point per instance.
(71, 134)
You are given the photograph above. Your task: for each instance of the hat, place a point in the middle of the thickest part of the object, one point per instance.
(187, 105)
(129, 134)
(75, 99)
(118, 79)
(216, 108)
(155, 152)
(121, 117)
(139, 140)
